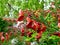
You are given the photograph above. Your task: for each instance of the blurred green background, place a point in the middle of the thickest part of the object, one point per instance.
(10, 8)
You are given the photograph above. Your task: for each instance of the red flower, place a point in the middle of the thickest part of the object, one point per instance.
(28, 19)
(43, 28)
(57, 34)
(7, 36)
(35, 25)
(29, 22)
(20, 18)
(29, 25)
(21, 13)
(2, 38)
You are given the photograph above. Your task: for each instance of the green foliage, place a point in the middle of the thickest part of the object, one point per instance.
(32, 38)
(6, 43)
(49, 40)
(15, 5)
(4, 25)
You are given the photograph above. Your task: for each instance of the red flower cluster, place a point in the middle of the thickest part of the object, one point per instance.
(36, 26)
(31, 24)
(2, 38)
(21, 15)
(5, 37)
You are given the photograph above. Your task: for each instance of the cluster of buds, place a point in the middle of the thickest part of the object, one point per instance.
(5, 37)
(9, 19)
(31, 24)
(2, 38)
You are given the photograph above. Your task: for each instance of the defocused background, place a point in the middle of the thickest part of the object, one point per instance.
(10, 8)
